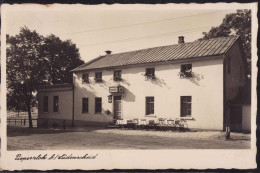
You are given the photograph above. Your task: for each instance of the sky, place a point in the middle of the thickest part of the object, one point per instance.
(96, 29)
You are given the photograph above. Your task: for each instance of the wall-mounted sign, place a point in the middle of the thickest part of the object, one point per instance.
(113, 89)
(116, 89)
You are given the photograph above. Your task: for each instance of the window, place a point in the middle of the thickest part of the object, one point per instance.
(186, 70)
(84, 105)
(149, 105)
(98, 105)
(45, 104)
(185, 106)
(55, 103)
(98, 76)
(117, 75)
(229, 65)
(85, 78)
(150, 73)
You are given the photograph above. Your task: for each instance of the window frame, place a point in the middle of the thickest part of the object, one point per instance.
(44, 104)
(83, 105)
(54, 105)
(98, 77)
(119, 77)
(188, 101)
(149, 106)
(186, 70)
(150, 72)
(96, 105)
(83, 78)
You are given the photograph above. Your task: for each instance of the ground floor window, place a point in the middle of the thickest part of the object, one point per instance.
(45, 104)
(84, 105)
(98, 105)
(55, 103)
(185, 106)
(149, 105)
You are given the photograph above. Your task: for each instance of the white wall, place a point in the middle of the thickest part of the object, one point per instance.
(65, 104)
(206, 89)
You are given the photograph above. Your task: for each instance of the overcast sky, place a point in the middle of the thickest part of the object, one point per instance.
(127, 28)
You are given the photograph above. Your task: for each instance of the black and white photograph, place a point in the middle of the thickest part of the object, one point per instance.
(101, 79)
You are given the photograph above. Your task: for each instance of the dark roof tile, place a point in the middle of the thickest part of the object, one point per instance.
(195, 49)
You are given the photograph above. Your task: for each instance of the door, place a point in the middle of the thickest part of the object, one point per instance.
(235, 118)
(117, 107)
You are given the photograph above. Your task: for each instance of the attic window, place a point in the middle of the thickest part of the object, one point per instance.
(150, 73)
(85, 78)
(98, 76)
(117, 75)
(186, 70)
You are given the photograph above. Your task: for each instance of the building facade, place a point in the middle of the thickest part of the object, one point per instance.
(195, 81)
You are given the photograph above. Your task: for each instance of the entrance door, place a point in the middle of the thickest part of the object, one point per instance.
(117, 107)
(235, 118)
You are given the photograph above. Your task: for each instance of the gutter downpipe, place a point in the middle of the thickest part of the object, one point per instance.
(73, 86)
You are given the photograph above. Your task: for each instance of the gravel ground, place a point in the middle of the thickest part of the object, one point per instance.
(91, 138)
(176, 134)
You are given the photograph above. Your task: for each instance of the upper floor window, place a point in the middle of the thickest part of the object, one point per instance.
(117, 75)
(55, 103)
(98, 76)
(85, 78)
(45, 104)
(150, 73)
(186, 70)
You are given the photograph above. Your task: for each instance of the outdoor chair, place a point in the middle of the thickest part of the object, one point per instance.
(130, 124)
(162, 124)
(171, 124)
(136, 123)
(151, 124)
(181, 124)
(120, 123)
(143, 123)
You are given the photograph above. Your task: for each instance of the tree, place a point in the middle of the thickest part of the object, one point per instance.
(34, 60)
(238, 24)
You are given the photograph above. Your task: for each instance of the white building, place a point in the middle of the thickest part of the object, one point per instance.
(197, 81)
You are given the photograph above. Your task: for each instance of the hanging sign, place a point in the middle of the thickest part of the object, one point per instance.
(110, 99)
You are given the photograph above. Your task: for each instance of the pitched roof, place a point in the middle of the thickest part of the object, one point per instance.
(211, 47)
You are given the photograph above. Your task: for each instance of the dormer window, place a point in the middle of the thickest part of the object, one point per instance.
(186, 70)
(98, 77)
(85, 78)
(117, 75)
(150, 73)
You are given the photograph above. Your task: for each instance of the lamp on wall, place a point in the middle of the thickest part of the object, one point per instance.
(109, 98)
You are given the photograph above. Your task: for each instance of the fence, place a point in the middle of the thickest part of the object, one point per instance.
(21, 122)
(11, 114)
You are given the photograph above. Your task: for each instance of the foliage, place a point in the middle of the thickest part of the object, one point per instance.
(34, 60)
(238, 24)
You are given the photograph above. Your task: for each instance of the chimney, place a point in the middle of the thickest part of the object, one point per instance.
(108, 52)
(181, 39)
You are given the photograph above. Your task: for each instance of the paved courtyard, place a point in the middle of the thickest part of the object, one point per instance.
(21, 138)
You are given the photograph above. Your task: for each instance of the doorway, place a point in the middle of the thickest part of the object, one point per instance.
(117, 107)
